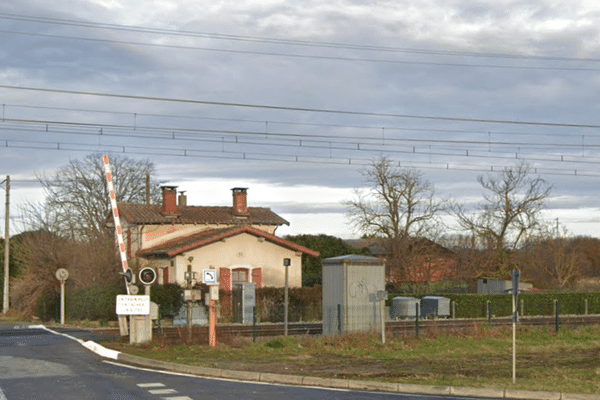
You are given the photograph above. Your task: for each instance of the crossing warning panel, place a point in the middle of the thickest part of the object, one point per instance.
(133, 305)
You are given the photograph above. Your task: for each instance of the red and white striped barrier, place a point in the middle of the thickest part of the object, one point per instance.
(113, 202)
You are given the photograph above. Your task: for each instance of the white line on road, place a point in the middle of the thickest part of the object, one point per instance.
(162, 391)
(150, 385)
(2, 396)
(177, 398)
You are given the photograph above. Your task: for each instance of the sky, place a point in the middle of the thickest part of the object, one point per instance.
(294, 99)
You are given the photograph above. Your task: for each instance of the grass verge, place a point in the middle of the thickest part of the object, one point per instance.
(567, 362)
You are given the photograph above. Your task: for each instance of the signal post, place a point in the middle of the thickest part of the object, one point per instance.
(209, 277)
(138, 309)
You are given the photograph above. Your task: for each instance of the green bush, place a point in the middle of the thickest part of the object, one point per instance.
(98, 302)
(47, 307)
(534, 304)
(94, 303)
(169, 298)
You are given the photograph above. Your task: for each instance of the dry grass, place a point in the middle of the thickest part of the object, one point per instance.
(566, 362)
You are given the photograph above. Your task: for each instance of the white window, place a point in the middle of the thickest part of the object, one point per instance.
(239, 275)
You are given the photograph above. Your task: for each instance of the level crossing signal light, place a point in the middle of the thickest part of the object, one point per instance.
(127, 275)
(147, 276)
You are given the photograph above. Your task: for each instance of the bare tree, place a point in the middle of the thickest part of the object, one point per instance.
(77, 199)
(39, 254)
(510, 212)
(399, 204)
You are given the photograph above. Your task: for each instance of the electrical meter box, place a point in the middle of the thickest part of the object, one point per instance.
(244, 301)
(352, 288)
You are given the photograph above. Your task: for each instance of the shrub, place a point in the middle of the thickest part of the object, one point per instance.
(97, 302)
(169, 298)
(47, 307)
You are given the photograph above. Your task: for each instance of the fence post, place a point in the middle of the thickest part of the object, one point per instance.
(417, 319)
(339, 318)
(585, 303)
(453, 309)
(254, 324)
(522, 308)
(557, 315)
(489, 312)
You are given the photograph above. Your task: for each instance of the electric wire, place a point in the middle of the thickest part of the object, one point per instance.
(287, 42)
(298, 109)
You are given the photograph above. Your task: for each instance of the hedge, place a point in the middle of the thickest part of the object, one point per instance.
(534, 304)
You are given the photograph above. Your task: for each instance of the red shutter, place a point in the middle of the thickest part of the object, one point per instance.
(225, 279)
(257, 277)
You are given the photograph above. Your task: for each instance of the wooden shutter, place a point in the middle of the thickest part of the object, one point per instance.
(257, 277)
(165, 275)
(225, 279)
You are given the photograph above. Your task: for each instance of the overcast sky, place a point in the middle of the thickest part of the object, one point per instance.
(291, 99)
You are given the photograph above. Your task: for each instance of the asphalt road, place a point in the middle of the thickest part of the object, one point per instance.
(37, 364)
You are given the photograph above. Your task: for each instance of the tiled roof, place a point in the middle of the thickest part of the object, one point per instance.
(151, 214)
(209, 236)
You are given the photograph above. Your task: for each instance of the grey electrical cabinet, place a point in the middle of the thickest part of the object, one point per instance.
(244, 301)
(405, 307)
(353, 293)
(436, 306)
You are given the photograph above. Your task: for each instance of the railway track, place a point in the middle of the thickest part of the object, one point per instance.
(230, 333)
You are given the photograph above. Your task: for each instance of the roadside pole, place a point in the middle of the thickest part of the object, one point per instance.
(286, 264)
(190, 302)
(515, 317)
(62, 275)
(209, 277)
(212, 315)
(6, 297)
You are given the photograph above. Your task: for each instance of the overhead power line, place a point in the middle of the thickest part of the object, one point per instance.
(167, 132)
(274, 122)
(277, 157)
(287, 42)
(307, 56)
(301, 109)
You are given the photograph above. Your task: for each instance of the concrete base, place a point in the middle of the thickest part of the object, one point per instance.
(123, 325)
(140, 329)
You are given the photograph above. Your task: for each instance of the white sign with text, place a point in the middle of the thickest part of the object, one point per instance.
(133, 305)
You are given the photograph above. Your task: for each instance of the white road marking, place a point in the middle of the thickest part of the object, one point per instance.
(150, 385)
(162, 391)
(177, 398)
(2, 396)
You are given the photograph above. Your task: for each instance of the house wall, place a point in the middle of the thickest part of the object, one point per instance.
(142, 237)
(244, 251)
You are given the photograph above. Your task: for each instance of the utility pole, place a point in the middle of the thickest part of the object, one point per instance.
(286, 264)
(5, 300)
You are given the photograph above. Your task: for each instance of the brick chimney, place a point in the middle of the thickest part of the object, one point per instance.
(240, 204)
(169, 204)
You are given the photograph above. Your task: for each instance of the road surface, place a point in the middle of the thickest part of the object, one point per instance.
(37, 364)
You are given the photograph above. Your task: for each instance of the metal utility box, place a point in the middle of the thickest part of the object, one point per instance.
(199, 316)
(405, 307)
(436, 306)
(244, 301)
(350, 293)
(498, 286)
